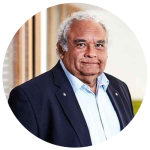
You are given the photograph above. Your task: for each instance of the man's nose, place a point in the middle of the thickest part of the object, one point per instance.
(90, 52)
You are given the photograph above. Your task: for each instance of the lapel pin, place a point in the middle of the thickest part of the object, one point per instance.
(64, 94)
(116, 94)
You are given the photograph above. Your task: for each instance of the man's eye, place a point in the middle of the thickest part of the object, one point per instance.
(81, 45)
(98, 45)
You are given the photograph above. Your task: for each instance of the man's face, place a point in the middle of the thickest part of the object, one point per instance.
(87, 54)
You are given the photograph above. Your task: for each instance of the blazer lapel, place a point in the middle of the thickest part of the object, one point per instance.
(118, 105)
(69, 103)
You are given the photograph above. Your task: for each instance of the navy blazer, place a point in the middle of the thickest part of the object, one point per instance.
(42, 108)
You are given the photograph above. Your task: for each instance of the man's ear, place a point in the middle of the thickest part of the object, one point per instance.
(60, 50)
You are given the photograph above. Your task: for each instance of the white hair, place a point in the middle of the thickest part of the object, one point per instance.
(80, 15)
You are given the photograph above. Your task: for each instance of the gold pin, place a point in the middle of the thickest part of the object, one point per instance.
(116, 94)
(64, 94)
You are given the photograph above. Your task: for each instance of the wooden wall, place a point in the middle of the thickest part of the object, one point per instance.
(26, 46)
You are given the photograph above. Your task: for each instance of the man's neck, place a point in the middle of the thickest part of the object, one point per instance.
(91, 83)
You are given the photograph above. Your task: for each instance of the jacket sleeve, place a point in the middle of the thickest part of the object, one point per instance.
(22, 109)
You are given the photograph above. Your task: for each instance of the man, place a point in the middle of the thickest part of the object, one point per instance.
(75, 104)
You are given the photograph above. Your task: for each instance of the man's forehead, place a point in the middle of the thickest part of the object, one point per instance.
(87, 31)
(85, 25)
(83, 28)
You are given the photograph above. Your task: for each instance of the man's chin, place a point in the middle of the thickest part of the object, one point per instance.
(90, 73)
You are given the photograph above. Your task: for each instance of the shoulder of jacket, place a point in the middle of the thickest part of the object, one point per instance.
(114, 80)
(41, 79)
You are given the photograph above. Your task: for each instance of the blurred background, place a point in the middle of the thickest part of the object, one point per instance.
(32, 50)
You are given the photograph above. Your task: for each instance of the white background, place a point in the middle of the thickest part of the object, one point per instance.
(134, 13)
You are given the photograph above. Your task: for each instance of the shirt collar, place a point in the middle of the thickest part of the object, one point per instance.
(77, 84)
(103, 81)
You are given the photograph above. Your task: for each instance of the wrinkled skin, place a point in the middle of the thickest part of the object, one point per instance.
(87, 54)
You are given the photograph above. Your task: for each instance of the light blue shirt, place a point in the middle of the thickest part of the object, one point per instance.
(100, 116)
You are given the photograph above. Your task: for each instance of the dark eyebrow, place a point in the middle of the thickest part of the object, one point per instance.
(101, 41)
(79, 40)
(82, 40)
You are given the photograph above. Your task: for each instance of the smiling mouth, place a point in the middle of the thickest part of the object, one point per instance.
(91, 63)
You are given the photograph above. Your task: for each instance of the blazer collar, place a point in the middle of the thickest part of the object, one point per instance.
(118, 104)
(69, 103)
